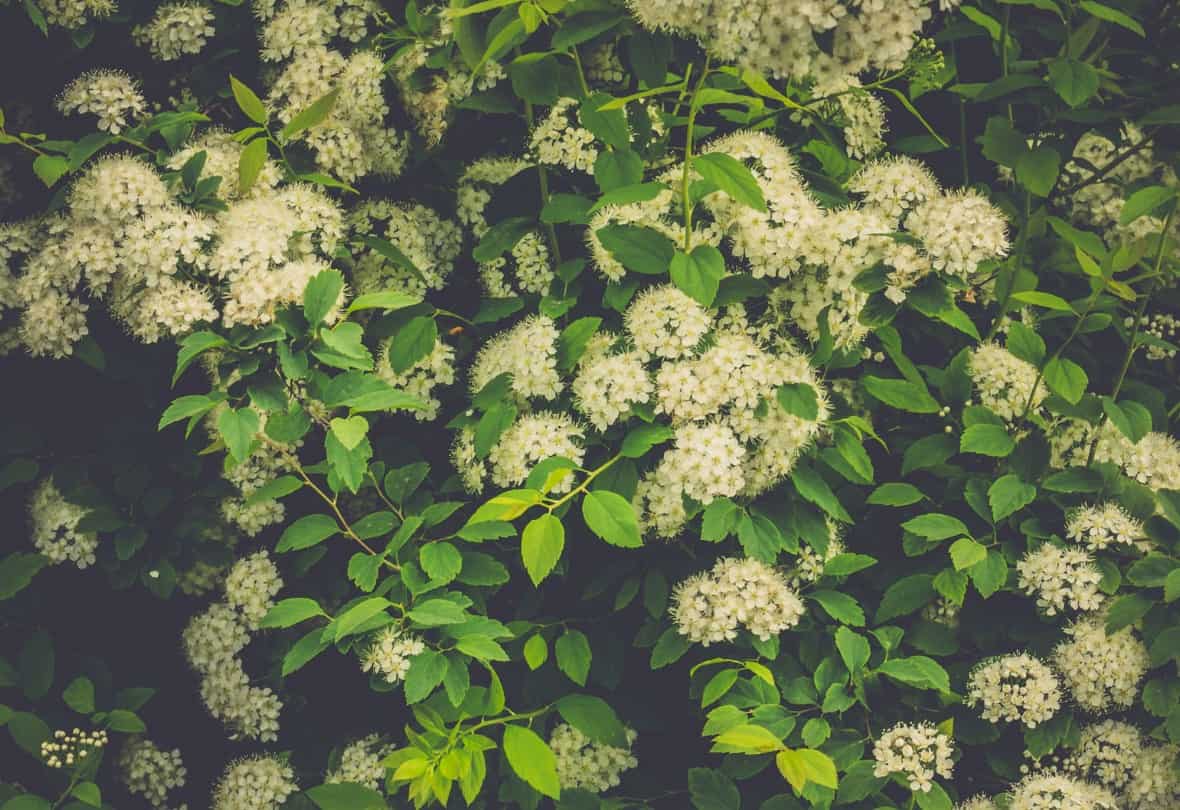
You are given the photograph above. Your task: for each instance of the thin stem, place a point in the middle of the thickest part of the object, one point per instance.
(1015, 260)
(1134, 338)
(1060, 351)
(684, 174)
(510, 717)
(543, 181)
(1113, 164)
(339, 515)
(582, 486)
(581, 72)
(448, 314)
(393, 508)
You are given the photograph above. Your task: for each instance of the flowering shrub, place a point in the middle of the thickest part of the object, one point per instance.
(593, 404)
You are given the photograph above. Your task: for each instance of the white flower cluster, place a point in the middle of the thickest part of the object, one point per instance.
(361, 763)
(255, 783)
(1097, 201)
(710, 606)
(213, 639)
(223, 153)
(918, 752)
(250, 587)
(55, 527)
(583, 764)
(1101, 670)
(977, 803)
(1163, 330)
(527, 268)
(75, 13)
(67, 748)
(430, 242)
(532, 438)
(1015, 687)
(609, 385)
(151, 771)
(1004, 383)
(894, 185)
(436, 369)
(1107, 753)
(1060, 579)
(112, 95)
(429, 91)
(959, 229)
(810, 562)
(560, 140)
(781, 37)
(176, 30)
(1055, 791)
(860, 114)
(389, 653)
(477, 185)
(266, 462)
(159, 265)
(1097, 527)
(353, 140)
(1154, 782)
(527, 353)
(663, 322)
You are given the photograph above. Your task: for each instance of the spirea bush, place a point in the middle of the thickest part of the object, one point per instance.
(592, 404)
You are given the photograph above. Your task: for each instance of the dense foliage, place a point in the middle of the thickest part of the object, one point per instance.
(597, 404)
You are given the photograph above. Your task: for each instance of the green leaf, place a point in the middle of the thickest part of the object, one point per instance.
(126, 721)
(1073, 80)
(987, 440)
(306, 532)
(315, 113)
(1125, 611)
(50, 168)
(990, 574)
(854, 649)
(593, 717)
(712, 790)
(248, 102)
(427, 670)
(611, 517)
(413, 341)
(79, 695)
(571, 343)
(305, 650)
(187, 407)
(350, 620)
(965, 553)
(843, 565)
(532, 759)
(351, 431)
(250, 164)
(799, 399)
(1105, 12)
(639, 249)
(1024, 343)
(582, 27)
(917, 671)
(805, 765)
(1066, 379)
(1007, 495)
(901, 394)
(1037, 170)
(934, 799)
(437, 612)
(1144, 201)
(1172, 586)
(1038, 298)
(387, 300)
(643, 438)
(935, 526)
(441, 561)
(895, 494)
(609, 126)
(840, 606)
(616, 168)
(17, 571)
(321, 295)
(573, 655)
(534, 77)
(731, 176)
(542, 542)
(192, 346)
(815, 489)
(501, 238)
(87, 793)
(28, 731)
(747, 738)
(536, 651)
(905, 596)
(346, 796)
(238, 429)
(290, 612)
(699, 273)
